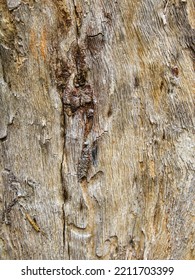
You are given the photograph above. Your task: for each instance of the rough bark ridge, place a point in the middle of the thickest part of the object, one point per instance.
(97, 129)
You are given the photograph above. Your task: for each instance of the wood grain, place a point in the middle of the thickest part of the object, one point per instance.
(97, 129)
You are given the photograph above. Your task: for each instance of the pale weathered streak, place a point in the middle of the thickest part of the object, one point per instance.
(97, 139)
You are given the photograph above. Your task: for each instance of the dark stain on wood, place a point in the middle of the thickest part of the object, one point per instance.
(136, 82)
(175, 71)
(84, 163)
(78, 56)
(80, 79)
(110, 112)
(95, 43)
(94, 153)
(6, 213)
(62, 74)
(78, 99)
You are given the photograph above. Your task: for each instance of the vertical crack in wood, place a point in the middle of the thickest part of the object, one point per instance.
(86, 106)
(77, 18)
(64, 231)
(77, 33)
(62, 173)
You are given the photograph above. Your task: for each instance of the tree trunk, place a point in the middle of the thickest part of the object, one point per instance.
(97, 137)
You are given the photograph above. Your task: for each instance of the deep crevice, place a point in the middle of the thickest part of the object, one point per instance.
(76, 18)
(3, 139)
(64, 231)
(62, 174)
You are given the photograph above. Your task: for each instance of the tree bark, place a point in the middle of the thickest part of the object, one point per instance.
(97, 137)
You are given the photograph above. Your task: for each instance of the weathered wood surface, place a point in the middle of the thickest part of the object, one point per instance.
(97, 129)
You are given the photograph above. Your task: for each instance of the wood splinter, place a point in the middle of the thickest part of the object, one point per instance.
(34, 224)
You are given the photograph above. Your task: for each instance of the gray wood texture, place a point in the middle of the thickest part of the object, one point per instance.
(97, 144)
